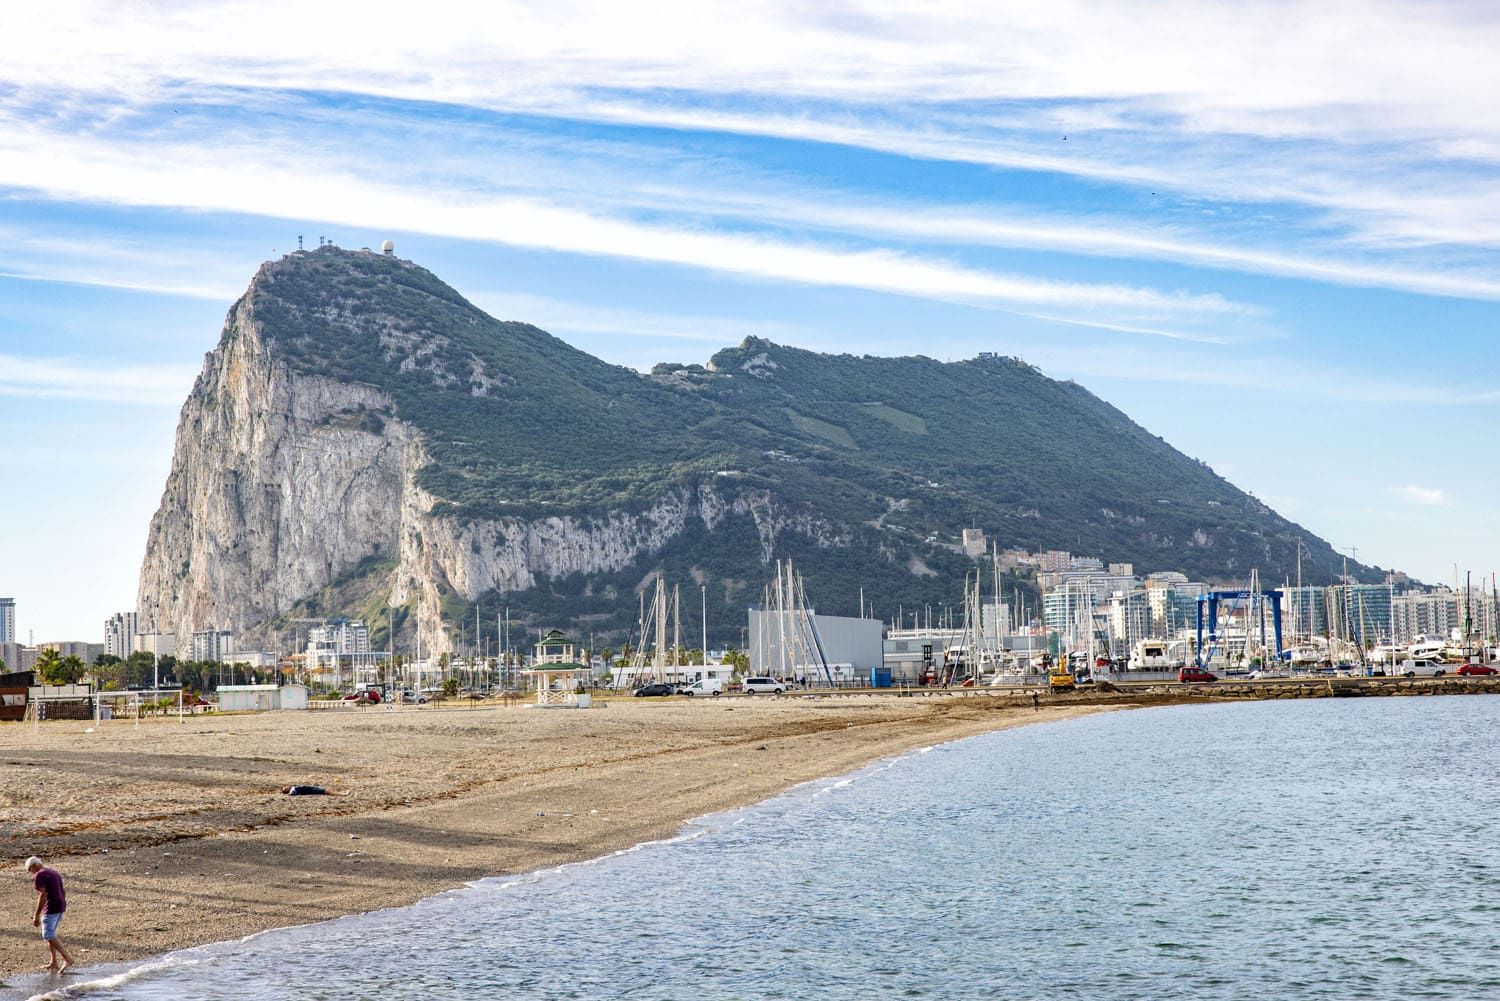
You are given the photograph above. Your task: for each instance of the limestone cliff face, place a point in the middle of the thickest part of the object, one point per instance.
(275, 489)
(282, 481)
(512, 554)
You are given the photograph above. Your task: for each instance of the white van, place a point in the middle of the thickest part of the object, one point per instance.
(703, 686)
(1422, 667)
(762, 684)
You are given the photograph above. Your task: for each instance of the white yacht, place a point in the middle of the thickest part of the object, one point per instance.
(1157, 655)
(1426, 648)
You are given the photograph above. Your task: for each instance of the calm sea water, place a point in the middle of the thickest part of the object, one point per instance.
(1320, 849)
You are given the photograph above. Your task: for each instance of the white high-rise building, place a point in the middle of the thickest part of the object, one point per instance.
(1129, 620)
(213, 645)
(340, 642)
(119, 634)
(995, 618)
(7, 620)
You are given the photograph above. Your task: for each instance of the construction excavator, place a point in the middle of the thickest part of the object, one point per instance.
(1059, 675)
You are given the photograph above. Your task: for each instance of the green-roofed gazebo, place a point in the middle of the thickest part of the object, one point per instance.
(557, 672)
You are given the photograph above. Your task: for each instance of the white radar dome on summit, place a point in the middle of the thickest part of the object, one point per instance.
(388, 247)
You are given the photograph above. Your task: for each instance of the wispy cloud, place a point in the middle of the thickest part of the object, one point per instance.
(1245, 70)
(284, 183)
(1426, 496)
(84, 273)
(1392, 129)
(66, 378)
(979, 225)
(108, 260)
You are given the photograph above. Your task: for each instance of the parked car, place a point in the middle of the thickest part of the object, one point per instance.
(704, 686)
(369, 697)
(1477, 670)
(412, 698)
(659, 688)
(1195, 675)
(763, 685)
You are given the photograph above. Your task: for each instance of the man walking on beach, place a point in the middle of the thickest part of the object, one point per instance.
(50, 904)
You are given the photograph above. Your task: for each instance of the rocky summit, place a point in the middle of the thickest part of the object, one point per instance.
(365, 441)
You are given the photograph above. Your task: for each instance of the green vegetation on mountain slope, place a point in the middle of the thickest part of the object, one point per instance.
(898, 453)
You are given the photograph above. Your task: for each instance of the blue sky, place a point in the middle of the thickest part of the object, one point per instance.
(1269, 234)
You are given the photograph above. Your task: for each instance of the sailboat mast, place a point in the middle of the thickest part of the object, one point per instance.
(1297, 621)
(780, 624)
(1468, 611)
(660, 661)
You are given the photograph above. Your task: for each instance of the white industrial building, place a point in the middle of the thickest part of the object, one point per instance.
(782, 645)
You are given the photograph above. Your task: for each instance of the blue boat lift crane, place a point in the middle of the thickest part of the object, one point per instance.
(1208, 607)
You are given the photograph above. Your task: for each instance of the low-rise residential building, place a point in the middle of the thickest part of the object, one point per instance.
(156, 644)
(82, 649)
(18, 656)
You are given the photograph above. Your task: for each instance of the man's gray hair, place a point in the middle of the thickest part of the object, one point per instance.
(33, 863)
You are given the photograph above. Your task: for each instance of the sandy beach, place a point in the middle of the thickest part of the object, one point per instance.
(171, 833)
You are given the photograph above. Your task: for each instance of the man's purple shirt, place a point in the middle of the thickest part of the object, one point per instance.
(49, 882)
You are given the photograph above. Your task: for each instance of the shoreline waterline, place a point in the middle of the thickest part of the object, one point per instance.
(92, 980)
(684, 762)
(689, 830)
(926, 854)
(788, 760)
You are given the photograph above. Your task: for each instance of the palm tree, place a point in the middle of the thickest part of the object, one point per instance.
(49, 666)
(72, 669)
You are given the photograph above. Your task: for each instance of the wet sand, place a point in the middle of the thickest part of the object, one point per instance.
(171, 834)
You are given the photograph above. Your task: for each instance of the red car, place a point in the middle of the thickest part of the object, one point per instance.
(1195, 674)
(1477, 669)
